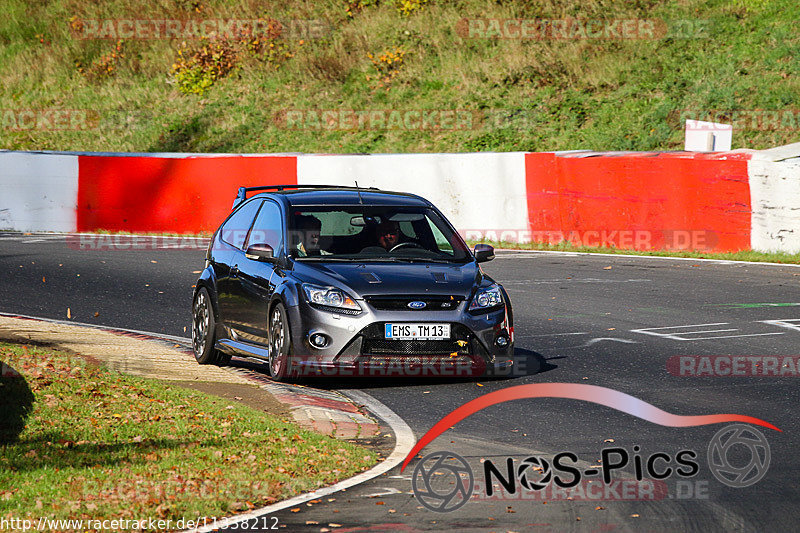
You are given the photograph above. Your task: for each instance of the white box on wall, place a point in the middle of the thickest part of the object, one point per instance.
(707, 136)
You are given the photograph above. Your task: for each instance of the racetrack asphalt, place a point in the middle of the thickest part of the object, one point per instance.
(607, 321)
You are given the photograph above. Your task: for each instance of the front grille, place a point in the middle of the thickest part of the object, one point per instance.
(416, 360)
(375, 343)
(400, 303)
(390, 347)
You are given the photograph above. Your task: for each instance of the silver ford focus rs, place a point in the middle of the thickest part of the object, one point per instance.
(336, 281)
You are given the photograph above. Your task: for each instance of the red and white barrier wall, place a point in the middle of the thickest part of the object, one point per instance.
(775, 196)
(38, 192)
(724, 201)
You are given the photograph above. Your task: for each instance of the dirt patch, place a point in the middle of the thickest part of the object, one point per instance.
(250, 395)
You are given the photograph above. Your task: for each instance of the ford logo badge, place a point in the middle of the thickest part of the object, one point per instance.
(417, 305)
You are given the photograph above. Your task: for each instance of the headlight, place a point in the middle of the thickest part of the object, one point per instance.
(329, 297)
(485, 298)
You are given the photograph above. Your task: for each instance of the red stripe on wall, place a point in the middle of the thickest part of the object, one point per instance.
(647, 201)
(180, 195)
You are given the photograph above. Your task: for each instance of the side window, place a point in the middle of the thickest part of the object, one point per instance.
(441, 241)
(235, 229)
(268, 228)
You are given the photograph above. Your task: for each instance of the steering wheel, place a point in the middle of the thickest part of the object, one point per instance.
(405, 245)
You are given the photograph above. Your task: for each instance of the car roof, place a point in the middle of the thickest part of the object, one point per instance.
(346, 196)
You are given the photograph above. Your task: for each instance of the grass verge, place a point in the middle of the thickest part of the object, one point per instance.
(743, 255)
(98, 445)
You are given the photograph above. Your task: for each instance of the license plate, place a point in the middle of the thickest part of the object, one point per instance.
(426, 332)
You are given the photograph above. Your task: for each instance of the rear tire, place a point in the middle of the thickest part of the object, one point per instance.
(204, 331)
(280, 344)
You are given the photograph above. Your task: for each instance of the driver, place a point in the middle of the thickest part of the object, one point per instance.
(388, 234)
(309, 228)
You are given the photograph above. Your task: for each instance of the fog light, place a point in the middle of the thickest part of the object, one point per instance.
(502, 341)
(318, 340)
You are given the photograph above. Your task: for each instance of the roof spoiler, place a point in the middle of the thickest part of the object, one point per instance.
(241, 196)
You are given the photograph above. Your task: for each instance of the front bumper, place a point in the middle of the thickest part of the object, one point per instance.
(480, 344)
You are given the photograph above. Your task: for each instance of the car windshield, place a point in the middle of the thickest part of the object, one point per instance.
(373, 233)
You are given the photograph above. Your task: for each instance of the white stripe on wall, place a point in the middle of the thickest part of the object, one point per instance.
(775, 200)
(39, 192)
(477, 192)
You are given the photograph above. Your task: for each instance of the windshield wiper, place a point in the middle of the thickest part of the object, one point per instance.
(421, 259)
(376, 259)
(327, 258)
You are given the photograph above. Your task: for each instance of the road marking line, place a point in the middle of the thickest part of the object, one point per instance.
(600, 339)
(677, 335)
(707, 331)
(784, 323)
(687, 326)
(549, 335)
(736, 336)
(385, 491)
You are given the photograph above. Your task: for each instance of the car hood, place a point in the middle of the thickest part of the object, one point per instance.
(375, 278)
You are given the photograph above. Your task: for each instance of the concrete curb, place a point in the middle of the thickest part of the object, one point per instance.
(326, 412)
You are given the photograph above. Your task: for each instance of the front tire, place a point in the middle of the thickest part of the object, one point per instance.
(204, 331)
(280, 344)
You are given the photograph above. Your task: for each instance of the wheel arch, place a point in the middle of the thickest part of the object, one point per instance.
(207, 280)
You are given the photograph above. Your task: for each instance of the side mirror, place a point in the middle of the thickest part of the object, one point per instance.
(483, 253)
(261, 252)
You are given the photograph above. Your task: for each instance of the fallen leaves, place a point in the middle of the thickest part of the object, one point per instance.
(150, 446)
